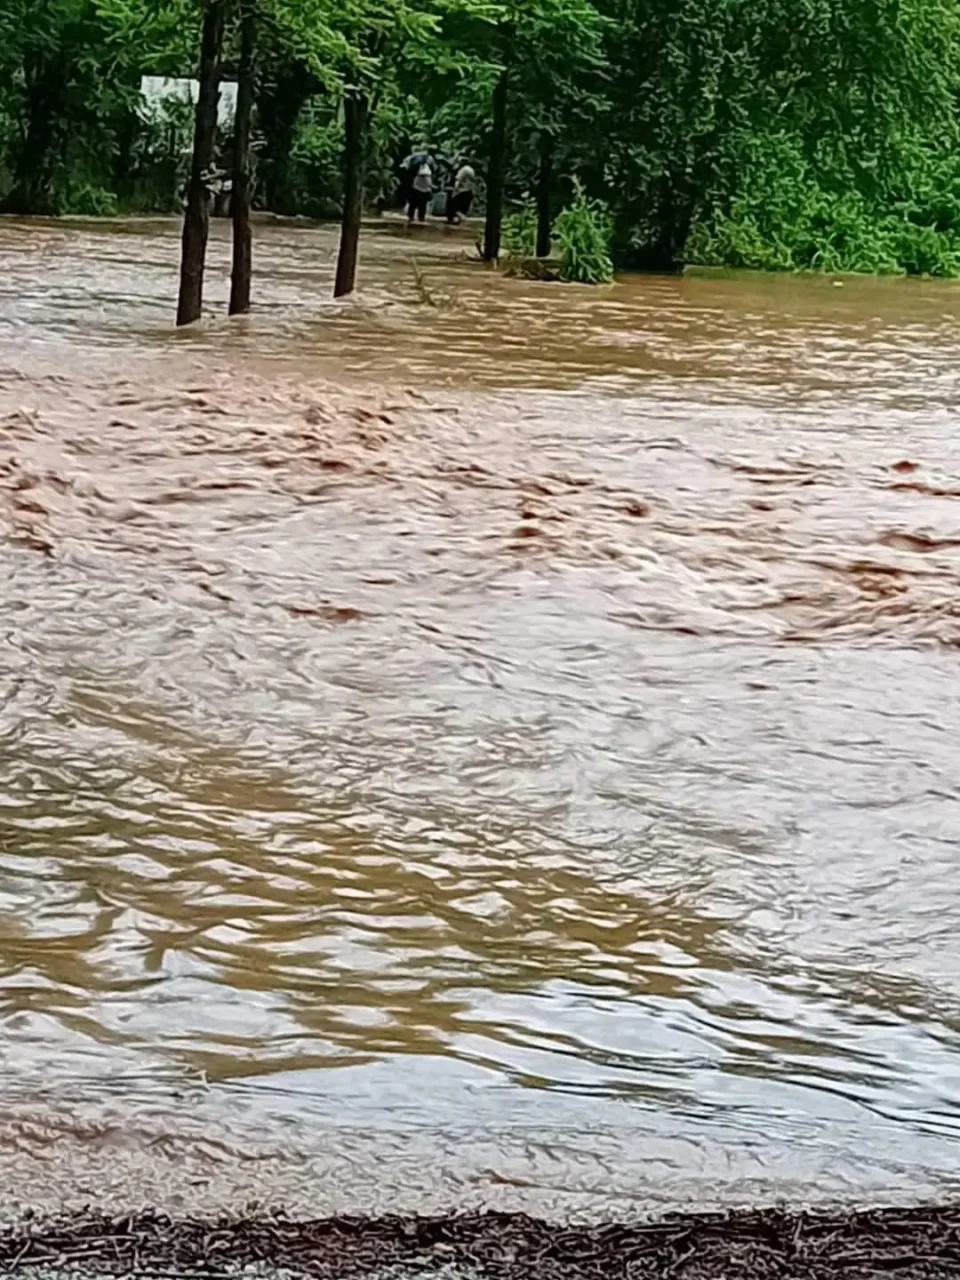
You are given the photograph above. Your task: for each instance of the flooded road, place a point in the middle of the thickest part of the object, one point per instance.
(482, 743)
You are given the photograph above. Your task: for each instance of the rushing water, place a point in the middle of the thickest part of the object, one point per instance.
(482, 742)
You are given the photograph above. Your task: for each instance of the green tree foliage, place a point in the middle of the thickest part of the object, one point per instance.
(787, 133)
(69, 78)
(524, 63)
(777, 134)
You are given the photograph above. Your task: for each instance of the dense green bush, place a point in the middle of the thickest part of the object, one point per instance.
(791, 213)
(90, 201)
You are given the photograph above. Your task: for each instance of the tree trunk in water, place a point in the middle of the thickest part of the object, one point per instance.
(495, 173)
(196, 222)
(241, 193)
(544, 183)
(355, 109)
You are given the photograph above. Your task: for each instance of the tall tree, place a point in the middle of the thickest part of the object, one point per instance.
(529, 53)
(356, 111)
(196, 222)
(496, 168)
(380, 38)
(240, 195)
(545, 150)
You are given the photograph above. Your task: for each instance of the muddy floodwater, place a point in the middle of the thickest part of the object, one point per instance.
(484, 743)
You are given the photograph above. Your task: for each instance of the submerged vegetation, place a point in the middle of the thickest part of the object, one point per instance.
(777, 134)
(584, 232)
(520, 231)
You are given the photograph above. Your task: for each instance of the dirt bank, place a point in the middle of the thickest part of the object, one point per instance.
(902, 1242)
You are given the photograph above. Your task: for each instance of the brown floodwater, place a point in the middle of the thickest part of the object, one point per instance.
(482, 742)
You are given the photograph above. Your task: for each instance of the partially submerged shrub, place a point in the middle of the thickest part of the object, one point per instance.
(90, 201)
(520, 231)
(583, 231)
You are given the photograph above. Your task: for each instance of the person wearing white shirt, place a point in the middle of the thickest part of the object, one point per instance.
(460, 199)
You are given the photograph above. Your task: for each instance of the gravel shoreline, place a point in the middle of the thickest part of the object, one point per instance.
(918, 1243)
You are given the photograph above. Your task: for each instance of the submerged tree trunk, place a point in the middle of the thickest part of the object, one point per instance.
(544, 185)
(495, 172)
(241, 186)
(196, 222)
(355, 112)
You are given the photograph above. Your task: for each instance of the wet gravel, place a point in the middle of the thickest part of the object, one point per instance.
(773, 1244)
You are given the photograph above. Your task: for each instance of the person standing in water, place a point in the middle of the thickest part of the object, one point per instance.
(408, 171)
(460, 197)
(421, 189)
